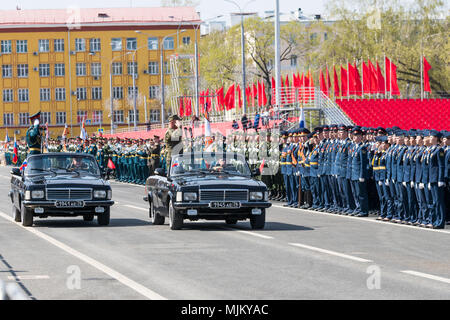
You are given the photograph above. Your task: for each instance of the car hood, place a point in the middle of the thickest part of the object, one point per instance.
(68, 180)
(218, 181)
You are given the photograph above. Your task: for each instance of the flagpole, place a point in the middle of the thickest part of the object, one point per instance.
(421, 78)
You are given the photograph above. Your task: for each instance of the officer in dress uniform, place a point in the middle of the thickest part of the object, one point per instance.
(446, 146)
(171, 139)
(33, 135)
(360, 174)
(313, 163)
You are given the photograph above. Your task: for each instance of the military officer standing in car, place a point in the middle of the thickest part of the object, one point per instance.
(172, 138)
(33, 136)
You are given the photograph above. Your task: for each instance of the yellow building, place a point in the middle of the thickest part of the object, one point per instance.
(64, 63)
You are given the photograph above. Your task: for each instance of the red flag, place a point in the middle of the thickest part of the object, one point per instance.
(351, 79)
(261, 167)
(344, 82)
(229, 98)
(201, 100)
(181, 108)
(238, 89)
(254, 94)
(282, 92)
(259, 94)
(311, 79)
(426, 77)
(373, 78)
(322, 82)
(367, 81)
(274, 92)
(111, 165)
(248, 95)
(287, 90)
(264, 95)
(381, 82)
(188, 107)
(336, 83)
(328, 84)
(358, 85)
(220, 99)
(208, 101)
(391, 77)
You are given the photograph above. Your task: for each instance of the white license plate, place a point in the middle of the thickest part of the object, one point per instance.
(225, 205)
(69, 204)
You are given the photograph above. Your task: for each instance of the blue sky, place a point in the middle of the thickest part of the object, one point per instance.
(207, 8)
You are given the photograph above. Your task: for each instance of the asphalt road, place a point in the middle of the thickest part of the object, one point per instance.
(300, 255)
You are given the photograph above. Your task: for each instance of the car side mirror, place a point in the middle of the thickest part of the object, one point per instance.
(256, 173)
(105, 173)
(160, 172)
(16, 172)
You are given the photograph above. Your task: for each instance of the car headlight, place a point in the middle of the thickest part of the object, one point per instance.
(28, 195)
(179, 196)
(109, 194)
(256, 195)
(190, 196)
(37, 194)
(266, 196)
(100, 194)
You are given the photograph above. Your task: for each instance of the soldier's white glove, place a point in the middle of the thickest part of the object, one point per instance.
(421, 186)
(386, 183)
(404, 184)
(393, 181)
(441, 184)
(380, 183)
(36, 122)
(429, 186)
(318, 176)
(412, 184)
(361, 180)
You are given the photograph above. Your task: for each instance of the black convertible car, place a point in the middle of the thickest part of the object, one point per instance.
(207, 186)
(60, 185)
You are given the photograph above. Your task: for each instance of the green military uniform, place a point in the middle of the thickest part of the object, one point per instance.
(171, 139)
(33, 136)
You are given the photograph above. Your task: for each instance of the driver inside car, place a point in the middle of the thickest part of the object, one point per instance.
(221, 165)
(77, 163)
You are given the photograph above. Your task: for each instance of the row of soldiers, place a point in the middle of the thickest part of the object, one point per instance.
(402, 175)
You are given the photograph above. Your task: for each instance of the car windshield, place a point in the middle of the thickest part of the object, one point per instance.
(209, 163)
(62, 164)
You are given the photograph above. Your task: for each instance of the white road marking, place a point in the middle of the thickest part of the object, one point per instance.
(249, 233)
(363, 219)
(427, 276)
(5, 177)
(30, 277)
(334, 253)
(150, 294)
(135, 207)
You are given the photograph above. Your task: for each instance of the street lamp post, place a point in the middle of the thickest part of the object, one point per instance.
(242, 51)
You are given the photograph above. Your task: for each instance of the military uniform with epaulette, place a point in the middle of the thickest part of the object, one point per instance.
(33, 136)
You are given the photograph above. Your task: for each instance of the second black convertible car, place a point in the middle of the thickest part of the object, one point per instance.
(60, 185)
(207, 186)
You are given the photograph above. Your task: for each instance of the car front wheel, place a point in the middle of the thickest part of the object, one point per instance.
(103, 218)
(175, 219)
(26, 216)
(16, 214)
(258, 221)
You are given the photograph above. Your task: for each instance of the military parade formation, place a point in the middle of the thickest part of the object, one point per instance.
(401, 176)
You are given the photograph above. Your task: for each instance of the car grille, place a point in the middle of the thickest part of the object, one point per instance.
(223, 195)
(69, 194)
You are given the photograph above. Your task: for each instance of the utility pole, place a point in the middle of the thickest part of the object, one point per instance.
(277, 53)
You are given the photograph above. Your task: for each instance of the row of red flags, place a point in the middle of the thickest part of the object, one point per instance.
(349, 82)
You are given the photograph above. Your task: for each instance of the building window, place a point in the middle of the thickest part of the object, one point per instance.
(116, 44)
(131, 116)
(153, 92)
(7, 71)
(60, 94)
(8, 95)
(46, 117)
(166, 67)
(117, 93)
(81, 69)
(59, 45)
(186, 41)
(117, 68)
(153, 67)
(155, 116)
(293, 61)
(24, 118)
(44, 70)
(131, 43)
(130, 92)
(45, 94)
(81, 93)
(23, 95)
(118, 116)
(96, 69)
(60, 70)
(44, 45)
(97, 117)
(97, 93)
(132, 68)
(8, 119)
(152, 43)
(22, 70)
(81, 116)
(60, 117)
(168, 43)
(80, 45)
(6, 46)
(94, 45)
(22, 46)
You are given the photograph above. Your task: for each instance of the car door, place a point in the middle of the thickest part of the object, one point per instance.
(163, 194)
